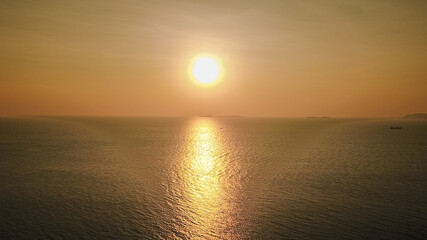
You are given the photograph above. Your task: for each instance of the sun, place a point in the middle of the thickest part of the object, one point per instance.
(206, 70)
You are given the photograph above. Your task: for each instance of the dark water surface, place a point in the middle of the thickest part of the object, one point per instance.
(212, 178)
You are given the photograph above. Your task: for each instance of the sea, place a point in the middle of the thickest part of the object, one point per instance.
(212, 178)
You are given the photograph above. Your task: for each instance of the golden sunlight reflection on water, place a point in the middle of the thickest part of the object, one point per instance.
(202, 189)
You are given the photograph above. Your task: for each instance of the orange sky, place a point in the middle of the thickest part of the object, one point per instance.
(290, 58)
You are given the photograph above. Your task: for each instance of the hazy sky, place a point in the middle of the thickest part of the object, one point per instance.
(343, 58)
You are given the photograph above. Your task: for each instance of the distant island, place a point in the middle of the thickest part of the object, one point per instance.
(231, 116)
(222, 116)
(317, 117)
(416, 116)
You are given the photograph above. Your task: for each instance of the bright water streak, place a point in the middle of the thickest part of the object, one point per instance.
(212, 178)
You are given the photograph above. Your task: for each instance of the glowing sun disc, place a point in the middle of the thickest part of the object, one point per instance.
(206, 70)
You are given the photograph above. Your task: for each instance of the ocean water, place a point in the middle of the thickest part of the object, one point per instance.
(212, 178)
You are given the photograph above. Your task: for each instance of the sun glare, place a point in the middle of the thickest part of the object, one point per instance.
(205, 70)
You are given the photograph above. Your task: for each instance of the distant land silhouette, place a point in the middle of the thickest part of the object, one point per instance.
(416, 116)
(223, 116)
